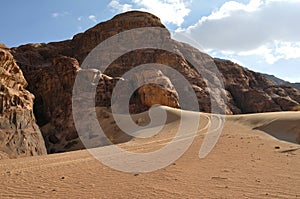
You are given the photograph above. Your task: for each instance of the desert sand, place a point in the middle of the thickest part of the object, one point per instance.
(256, 156)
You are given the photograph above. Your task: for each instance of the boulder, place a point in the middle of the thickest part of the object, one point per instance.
(156, 89)
(154, 94)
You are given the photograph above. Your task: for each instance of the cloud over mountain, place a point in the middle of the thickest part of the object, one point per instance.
(170, 11)
(266, 28)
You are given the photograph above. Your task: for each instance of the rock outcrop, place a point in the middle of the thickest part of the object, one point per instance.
(281, 82)
(251, 92)
(51, 69)
(19, 133)
(153, 94)
(83, 43)
(160, 91)
(52, 84)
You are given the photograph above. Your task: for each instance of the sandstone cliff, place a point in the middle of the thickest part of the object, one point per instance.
(251, 92)
(19, 134)
(50, 70)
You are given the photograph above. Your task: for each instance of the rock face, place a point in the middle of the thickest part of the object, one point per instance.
(153, 94)
(51, 69)
(281, 82)
(83, 43)
(251, 92)
(160, 91)
(19, 134)
(52, 85)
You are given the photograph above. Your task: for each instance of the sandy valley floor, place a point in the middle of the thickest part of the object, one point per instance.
(247, 162)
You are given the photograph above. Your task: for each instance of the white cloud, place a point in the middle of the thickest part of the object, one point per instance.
(265, 28)
(268, 1)
(170, 11)
(93, 18)
(116, 5)
(275, 51)
(55, 14)
(229, 7)
(59, 14)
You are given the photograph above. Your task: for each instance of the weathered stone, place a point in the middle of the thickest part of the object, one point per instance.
(19, 134)
(51, 69)
(251, 92)
(52, 86)
(153, 94)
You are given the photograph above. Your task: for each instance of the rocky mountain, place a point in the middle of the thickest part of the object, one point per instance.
(281, 82)
(50, 70)
(251, 92)
(19, 134)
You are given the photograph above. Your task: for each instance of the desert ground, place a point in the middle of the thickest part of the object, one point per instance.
(256, 156)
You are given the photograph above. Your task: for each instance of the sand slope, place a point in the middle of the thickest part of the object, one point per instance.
(247, 162)
(284, 125)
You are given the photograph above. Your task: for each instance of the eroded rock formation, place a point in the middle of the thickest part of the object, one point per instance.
(19, 134)
(160, 90)
(251, 92)
(52, 85)
(155, 94)
(51, 69)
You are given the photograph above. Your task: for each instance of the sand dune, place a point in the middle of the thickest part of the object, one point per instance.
(284, 126)
(250, 160)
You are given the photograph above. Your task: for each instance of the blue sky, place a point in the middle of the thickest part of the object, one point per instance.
(261, 35)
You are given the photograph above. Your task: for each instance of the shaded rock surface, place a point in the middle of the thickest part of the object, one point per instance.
(52, 85)
(281, 82)
(19, 133)
(50, 70)
(251, 92)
